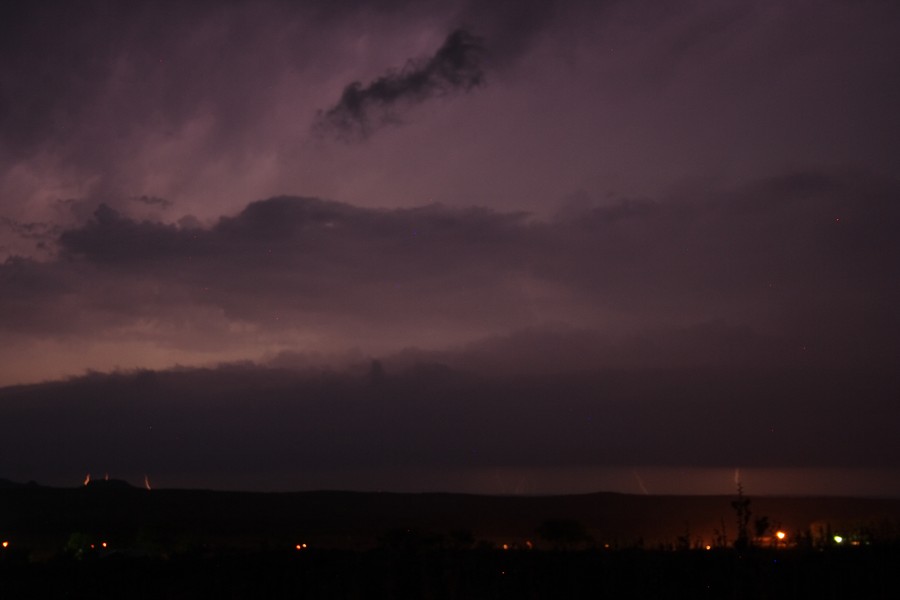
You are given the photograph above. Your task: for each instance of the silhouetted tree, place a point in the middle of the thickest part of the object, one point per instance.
(741, 506)
(563, 533)
(462, 539)
(683, 542)
(720, 535)
(761, 526)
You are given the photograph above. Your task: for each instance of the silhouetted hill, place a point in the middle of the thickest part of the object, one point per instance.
(46, 519)
(7, 484)
(108, 484)
(112, 540)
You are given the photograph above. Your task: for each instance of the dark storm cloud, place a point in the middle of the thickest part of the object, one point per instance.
(199, 102)
(458, 65)
(551, 350)
(83, 80)
(249, 424)
(32, 231)
(281, 263)
(210, 103)
(800, 265)
(758, 321)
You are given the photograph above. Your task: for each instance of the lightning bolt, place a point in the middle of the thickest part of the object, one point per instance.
(640, 482)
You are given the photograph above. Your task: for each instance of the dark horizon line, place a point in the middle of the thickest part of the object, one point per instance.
(120, 484)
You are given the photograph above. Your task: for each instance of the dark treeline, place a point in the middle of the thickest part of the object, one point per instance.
(109, 539)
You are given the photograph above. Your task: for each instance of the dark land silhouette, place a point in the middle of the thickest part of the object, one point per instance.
(110, 539)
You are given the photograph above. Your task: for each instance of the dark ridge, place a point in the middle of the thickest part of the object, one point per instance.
(6, 484)
(109, 484)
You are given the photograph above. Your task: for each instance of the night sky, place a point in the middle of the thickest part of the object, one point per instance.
(481, 246)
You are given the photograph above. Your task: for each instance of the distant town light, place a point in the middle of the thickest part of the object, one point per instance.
(780, 535)
(5, 544)
(708, 547)
(838, 539)
(506, 546)
(103, 544)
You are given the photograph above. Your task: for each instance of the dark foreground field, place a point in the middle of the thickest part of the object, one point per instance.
(109, 539)
(475, 573)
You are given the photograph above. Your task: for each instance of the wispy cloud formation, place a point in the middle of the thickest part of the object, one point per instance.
(458, 65)
(209, 104)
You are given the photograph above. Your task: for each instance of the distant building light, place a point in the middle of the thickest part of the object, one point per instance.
(5, 544)
(838, 539)
(708, 547)
(780, 535)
